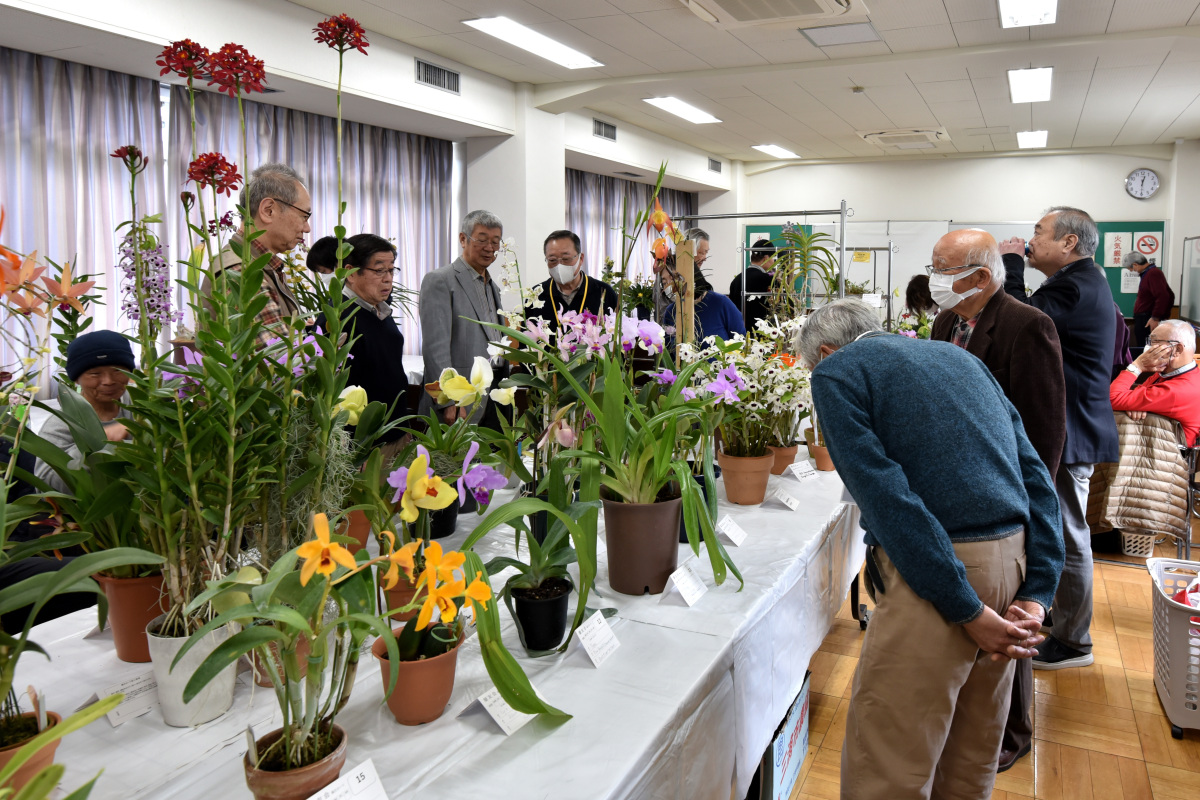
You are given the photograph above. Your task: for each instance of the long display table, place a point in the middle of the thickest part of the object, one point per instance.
(683, 709)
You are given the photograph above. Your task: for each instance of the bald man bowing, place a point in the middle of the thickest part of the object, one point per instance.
(1019, 346)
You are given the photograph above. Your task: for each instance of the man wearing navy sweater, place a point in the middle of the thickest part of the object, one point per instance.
(964, 551)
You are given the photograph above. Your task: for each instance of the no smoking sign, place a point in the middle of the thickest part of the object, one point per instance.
(1147, 243)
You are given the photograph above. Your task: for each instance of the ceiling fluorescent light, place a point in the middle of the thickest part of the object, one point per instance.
(1030, 85)
(674, 105)
(1023, 13)
(855, 33)
(1030, 139)
(518, 35)
(775, 150)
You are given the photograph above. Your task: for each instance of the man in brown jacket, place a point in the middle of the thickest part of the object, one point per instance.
(1020, 347)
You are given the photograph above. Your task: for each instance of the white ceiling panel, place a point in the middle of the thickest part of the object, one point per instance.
(1076, 18)
(946, 91)
(987, 31)
(519, 10)
(962, 113)
(889, 15)
(789, 52)
(857, 50)
(623, 33)
(967, 10)
(574, 9)
(1142, 15)
(931, 37)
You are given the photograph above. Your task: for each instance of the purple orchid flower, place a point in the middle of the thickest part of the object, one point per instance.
(726, 386)
(664, 377)
(688, 393)
(480, 479)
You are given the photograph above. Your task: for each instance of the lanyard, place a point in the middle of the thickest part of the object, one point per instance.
(582, 304)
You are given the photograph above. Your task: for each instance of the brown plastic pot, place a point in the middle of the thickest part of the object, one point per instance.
(359, 530)
(746, 477)
(294, 784)
(423, 687)
(643, 544)
(132, 604)
(399, 596)
(40, 760)
(784, 458)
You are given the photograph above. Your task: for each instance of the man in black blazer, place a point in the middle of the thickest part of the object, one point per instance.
(1076, 296)
(1019, 346)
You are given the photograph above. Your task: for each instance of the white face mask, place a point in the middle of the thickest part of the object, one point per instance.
(326, 278)
(941, 287)
(669, 291)
(564, 273)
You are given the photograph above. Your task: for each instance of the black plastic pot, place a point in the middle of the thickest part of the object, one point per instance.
(443, 522)
(544, 622)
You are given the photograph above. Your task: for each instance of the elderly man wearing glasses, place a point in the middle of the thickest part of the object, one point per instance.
(1019, 346)
(569, 287)
(279, 207)
(1163, 379)
(455, 300)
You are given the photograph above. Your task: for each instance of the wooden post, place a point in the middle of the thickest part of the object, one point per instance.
(685, 311)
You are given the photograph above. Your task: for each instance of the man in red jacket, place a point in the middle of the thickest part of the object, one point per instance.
(1154, 297)
(1163, 379)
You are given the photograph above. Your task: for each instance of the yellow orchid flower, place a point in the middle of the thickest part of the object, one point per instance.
(402, 559)
(440, 599)
(424, 491)
(440, 567)
(478, 593)
(320, 554)
(464, 392)
(352, 400)
(503, 396)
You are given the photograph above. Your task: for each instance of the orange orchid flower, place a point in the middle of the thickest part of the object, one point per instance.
(26, 303)
(15, 277)
(440, 599)
(402, 559)
(65, 292)
(8, 259)
(659, 218)
(478, 593)
(320, 554)
(660, 249)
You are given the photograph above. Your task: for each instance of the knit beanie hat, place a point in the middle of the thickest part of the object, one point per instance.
(98, 349)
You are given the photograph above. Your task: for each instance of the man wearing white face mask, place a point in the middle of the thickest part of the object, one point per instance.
(1019, 346)
(569, 287)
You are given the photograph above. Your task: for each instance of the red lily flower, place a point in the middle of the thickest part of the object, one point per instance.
(131, 155)
(342, 32)
(234, 70)
(212, 169)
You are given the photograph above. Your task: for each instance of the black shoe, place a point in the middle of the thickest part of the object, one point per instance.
(1053, 654)
(1010, 757)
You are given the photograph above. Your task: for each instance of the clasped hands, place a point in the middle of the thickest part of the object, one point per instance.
(1012, 636)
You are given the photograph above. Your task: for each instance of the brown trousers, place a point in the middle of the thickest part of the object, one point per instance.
(927, 707)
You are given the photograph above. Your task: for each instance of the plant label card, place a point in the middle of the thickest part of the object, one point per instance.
(141, 696)
(597, 638)
(787, 499)
(687, 581)
(874, 300)
(361, 783)
(509, 719)
(730, 531)
(803, 470)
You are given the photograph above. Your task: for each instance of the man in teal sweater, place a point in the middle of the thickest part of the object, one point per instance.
(965, 549)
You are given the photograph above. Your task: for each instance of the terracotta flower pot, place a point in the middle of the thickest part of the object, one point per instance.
(784, 457)
(132, 604)
(401, 595)
(263, 678)
(821, 456)
(643, 544)
(42, 759)
(359, 530)
(423, 687)
(746, 477)
(299, 783)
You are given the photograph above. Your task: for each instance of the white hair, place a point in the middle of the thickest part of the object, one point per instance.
(480, 217)
(836, 325)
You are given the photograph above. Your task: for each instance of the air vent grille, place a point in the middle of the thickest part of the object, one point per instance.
(714, 165)
(605, 130)
(628, 174)
(437, 77)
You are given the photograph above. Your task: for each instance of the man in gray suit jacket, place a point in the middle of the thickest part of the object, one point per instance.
(452, 297)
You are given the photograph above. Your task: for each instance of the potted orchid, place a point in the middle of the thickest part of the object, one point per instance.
(786, 394)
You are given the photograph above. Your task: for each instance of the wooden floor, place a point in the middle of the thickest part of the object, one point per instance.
(1099, 731)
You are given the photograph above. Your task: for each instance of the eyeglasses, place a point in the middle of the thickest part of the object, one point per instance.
(931, 270)
(553, 261)
(1171, 342)
(306, 214)
(493, 244)
(381, 272)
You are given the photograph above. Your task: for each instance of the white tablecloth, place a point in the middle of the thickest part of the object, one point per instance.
(688, 702)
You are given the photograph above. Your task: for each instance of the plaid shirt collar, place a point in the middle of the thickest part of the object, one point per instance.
(963, 328)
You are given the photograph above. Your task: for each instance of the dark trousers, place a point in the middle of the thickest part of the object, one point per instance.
(63, 604)
(1141, 331)
(1018, 727)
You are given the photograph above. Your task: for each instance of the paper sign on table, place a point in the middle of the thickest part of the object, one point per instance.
(509, 719)
(787, 499)
(803, 470)
(730, 531)
(597, 638)
(141, 695)
(361, 783)
(687, 581)
(874, 300)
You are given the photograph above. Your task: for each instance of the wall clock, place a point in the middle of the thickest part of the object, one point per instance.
(1142, 183)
